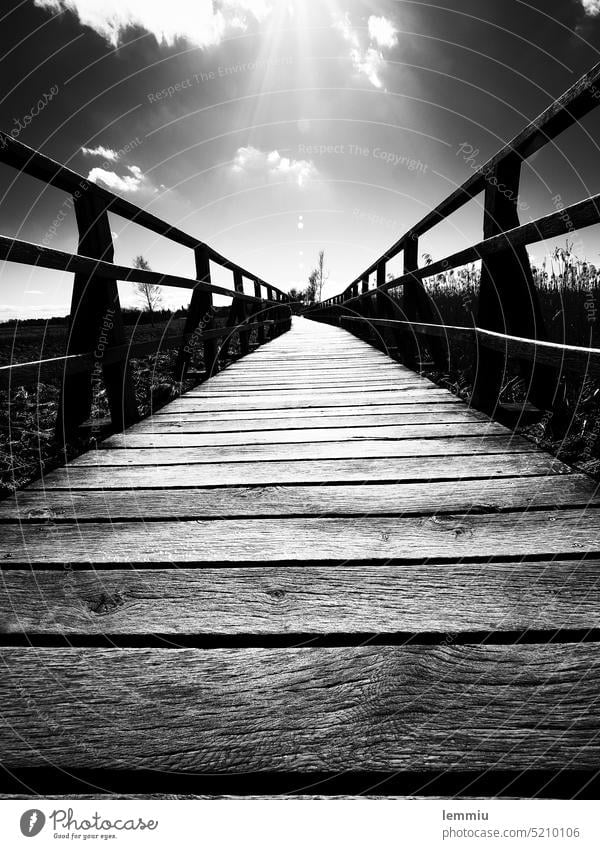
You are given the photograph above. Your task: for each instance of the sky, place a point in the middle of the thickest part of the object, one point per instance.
(273, 129)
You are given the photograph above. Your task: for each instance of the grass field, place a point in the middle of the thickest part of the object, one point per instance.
(28, 413)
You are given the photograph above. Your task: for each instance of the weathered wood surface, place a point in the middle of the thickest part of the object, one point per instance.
(284, 437)
(263, 401)
(364, 599)
(317, 495)
(164, 455)
(500, 494)
(565, 532)
(452, 410)
(292, 389)
(389, 469)
(380, 708)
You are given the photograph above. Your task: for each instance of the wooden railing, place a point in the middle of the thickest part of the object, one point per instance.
(509, 322)
(96, 338)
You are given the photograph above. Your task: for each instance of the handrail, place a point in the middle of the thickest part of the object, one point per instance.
(95, 308)
(555, 354)
(585, 213)
(35, 164)
(28, 253)
(509, 305)
(574, 104)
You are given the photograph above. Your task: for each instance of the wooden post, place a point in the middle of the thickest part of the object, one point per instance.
(508, 300)
(272, 330)
(417, 307)
(260, 314)
(95, 324)
(383, 307)
(200, 317)
(234, 317)
(364, 308)
(242, 312)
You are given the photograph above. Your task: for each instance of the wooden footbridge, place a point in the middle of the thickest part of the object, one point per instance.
(316, 571)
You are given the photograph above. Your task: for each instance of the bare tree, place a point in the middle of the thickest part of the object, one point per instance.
(149, 293)
(312, 288)
(322, 275)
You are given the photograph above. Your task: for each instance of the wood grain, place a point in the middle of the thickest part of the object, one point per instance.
(302, 709)
(499, 494)
(392, 412)
(572, 533)
(392, 470)
(351, 600)
(136, 439)
(197, 423)
(276, 401)
(296, 451)
(334, 387)
(307, 401)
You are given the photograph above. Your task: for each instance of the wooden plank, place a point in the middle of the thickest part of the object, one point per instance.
(246, 710)
(279, 402)
(250, 384)
(247, 386)
(370, 389)
(500, 494)
(359, 448)
(297, 365)
(457, 468)
(383, 599)
(569, 533)
(394, 412)
(197, 423)
(308, 435)
(292, 368)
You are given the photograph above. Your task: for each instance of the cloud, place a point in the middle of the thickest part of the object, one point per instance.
(383, 32)
(368, 58)
(130, 183)
(370, 64)
(273, 165)
(104, 152)
(201, 22)
(33, 292)
(591, 7)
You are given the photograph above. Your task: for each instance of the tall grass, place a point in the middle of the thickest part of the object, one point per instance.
(568, 290)
(569, 294)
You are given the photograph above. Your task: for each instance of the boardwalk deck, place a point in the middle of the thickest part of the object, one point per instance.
(315, 563)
